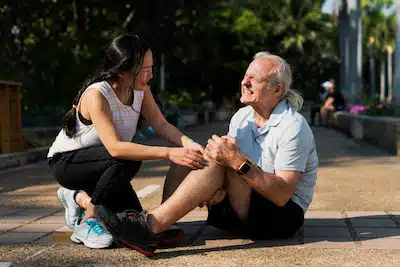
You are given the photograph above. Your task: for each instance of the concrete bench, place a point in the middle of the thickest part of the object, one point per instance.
(381, 132)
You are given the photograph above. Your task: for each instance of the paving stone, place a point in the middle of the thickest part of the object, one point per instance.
(369, 232)
(43, 227)
(8, 211)
(13, 237)
(60, 213)
(356, 222)
(325, 222)
(4, 227)
(54, 238)
(61, 237)
(381, 243)
(226, 242)
(64, 229)
(323, 215)
(367, 214)
(290, 242)
(325, 231)
(330, 242)
(211, 231)
(48, 239)
(52, 219)
(208, 231)
(16, 218)
(195, 216)
(396, 214)
(41, 211)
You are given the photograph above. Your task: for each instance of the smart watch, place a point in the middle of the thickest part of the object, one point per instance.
(244, 168)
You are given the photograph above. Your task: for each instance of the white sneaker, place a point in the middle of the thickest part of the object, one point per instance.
(72, 210)
(91, 234)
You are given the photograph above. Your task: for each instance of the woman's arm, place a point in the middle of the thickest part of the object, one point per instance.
(161, 126)
(101, 116)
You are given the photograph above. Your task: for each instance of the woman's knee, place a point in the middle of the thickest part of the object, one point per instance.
(127, 168)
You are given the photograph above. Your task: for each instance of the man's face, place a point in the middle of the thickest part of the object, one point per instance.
(257, 86)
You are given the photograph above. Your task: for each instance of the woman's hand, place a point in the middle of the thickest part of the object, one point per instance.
(187, 157)
(194, 146)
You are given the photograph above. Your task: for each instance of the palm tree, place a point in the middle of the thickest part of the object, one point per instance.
(396, 85)
(301, 23)
(381, 28)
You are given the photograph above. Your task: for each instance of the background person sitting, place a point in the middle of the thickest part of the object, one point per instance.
(322, 94)
(334, 102)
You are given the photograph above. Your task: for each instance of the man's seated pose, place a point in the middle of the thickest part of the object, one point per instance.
(334, 102)
(260, 178)
(316, 108)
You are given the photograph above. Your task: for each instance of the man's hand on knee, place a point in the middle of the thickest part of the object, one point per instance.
(218, 196)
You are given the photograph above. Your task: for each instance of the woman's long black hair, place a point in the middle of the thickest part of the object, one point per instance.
(124, 53)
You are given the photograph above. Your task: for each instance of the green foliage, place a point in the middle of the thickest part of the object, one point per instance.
(380, 111)
(52, 46)
(178, 100)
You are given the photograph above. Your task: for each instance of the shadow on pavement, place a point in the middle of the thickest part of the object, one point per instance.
(315, 230)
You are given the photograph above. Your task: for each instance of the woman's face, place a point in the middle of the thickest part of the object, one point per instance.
(145, 74)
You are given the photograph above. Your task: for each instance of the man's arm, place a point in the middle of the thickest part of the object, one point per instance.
(290, 161)
(278, 187)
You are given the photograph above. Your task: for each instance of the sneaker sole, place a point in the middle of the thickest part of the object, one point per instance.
(145, 250)
(78, 240)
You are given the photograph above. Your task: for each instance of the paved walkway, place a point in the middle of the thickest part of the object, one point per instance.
(354, 215)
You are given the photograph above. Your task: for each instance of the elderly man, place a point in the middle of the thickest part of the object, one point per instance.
(260, 178)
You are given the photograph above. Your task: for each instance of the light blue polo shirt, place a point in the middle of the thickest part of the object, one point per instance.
(285, 142)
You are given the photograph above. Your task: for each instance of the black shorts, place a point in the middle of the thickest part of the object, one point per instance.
(265, 219)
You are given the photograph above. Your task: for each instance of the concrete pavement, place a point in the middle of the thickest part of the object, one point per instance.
(354, 218)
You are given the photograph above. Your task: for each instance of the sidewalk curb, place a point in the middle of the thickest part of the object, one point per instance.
(12, 160)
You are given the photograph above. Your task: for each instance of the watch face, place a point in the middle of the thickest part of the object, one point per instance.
(245, 168)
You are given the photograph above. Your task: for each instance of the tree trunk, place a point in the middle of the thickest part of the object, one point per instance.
(382, 80)
(372, 72)
(356, 51)
(389, 75)
(344, 48)
(396, 82)
(351, 57)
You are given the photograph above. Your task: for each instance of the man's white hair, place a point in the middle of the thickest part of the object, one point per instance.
(283, 76)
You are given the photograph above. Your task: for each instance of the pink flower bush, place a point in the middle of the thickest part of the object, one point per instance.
(358, 109)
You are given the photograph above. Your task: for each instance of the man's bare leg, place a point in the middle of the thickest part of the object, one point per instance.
(176, 174)
(239, 193)
(197, 187)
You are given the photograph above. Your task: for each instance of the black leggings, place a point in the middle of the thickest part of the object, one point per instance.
(104, 178)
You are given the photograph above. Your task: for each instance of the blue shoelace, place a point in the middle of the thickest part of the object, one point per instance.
(95, 226)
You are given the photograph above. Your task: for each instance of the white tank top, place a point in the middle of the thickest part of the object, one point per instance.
(125, 120)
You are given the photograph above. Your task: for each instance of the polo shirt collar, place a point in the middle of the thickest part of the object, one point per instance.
(274, 119)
